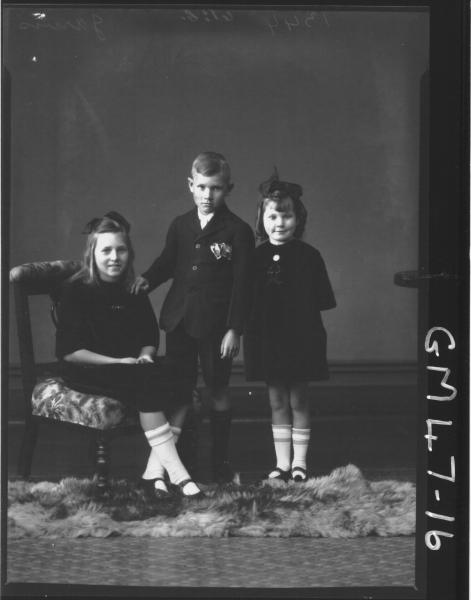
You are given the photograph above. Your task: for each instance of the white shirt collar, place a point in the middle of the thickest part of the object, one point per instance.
(205, 219)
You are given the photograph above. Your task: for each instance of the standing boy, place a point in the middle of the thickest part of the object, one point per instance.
(208, 253)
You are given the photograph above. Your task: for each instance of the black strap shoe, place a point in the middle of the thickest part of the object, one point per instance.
(148, 485)
(278, 473)
(298, 474)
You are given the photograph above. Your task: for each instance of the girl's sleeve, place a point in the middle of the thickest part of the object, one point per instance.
(324, 292)
(73, 329)
(147, 328)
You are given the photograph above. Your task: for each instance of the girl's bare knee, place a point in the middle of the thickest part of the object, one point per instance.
(299, 404)
(279, 404)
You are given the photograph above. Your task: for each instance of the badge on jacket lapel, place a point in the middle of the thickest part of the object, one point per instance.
(221, 250)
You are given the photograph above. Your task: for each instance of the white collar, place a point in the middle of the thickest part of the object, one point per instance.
(205, 219)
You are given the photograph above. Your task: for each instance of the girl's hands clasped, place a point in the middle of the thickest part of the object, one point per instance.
(144, 359)
(128, 360)
(146, 355)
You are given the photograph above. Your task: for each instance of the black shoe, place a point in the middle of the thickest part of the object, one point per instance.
(278, 473)
(148, 486)
(298, 474)
(223, 472)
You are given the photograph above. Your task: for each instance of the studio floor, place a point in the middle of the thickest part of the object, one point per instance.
(382, 446)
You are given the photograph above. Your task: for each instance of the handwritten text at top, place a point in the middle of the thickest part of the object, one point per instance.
(92, 24)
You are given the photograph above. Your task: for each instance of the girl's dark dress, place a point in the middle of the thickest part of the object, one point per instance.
(285, 339)
(109, 320)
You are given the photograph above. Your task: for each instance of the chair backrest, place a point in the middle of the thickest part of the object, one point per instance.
(31, 279)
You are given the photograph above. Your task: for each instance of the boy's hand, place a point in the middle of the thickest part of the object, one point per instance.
(140, 285)
(230, 344)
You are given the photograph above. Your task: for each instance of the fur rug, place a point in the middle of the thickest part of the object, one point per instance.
(340, 505)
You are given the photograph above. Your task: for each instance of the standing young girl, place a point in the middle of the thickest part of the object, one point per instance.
(107, 340)
(285, 340)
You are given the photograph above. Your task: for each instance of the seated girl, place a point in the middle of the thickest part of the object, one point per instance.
(107, 340)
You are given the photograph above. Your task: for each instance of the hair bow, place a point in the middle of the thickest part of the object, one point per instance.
(119, 219)
(92, 225)
(276, 188)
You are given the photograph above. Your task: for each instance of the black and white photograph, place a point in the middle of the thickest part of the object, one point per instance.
(235, 300)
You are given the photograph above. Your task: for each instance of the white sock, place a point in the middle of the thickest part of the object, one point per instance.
(154, 468)
(161, 439)
(300, 445)
(282, 441)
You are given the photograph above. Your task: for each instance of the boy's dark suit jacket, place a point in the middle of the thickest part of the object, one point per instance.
(209, 294)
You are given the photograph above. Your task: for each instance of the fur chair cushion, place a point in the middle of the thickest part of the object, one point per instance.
(54, 400)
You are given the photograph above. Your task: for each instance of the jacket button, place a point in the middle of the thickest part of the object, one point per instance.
(198, 246)
(194, 267)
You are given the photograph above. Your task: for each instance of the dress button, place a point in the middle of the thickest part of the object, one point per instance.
(194, 267)
(198, 246)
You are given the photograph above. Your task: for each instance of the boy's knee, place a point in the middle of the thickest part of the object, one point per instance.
(216, 390)
(219, 397)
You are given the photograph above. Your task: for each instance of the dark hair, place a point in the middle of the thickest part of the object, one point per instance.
(211, 163)
(282, 201)
(112, 222)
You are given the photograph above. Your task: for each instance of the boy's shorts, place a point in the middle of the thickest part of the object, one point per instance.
(185, 350)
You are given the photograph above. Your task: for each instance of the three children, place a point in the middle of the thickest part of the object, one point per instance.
(223, 287)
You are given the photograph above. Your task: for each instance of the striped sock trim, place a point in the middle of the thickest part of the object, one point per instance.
(301, 436)
(282, 433)
(176, 432)
(159, 435)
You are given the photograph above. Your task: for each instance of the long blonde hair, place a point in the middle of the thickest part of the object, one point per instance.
(112, 222)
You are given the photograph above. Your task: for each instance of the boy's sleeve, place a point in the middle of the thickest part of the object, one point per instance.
(163, 267)
(73, 330)
(324, 291)
(243, 258)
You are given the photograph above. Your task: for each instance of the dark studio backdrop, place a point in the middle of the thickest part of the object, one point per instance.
(110, 105)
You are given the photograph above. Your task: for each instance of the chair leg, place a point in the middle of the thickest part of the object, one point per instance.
(101, 460)
(28, 445)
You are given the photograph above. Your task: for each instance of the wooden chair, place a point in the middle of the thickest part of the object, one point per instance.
(46, 397)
